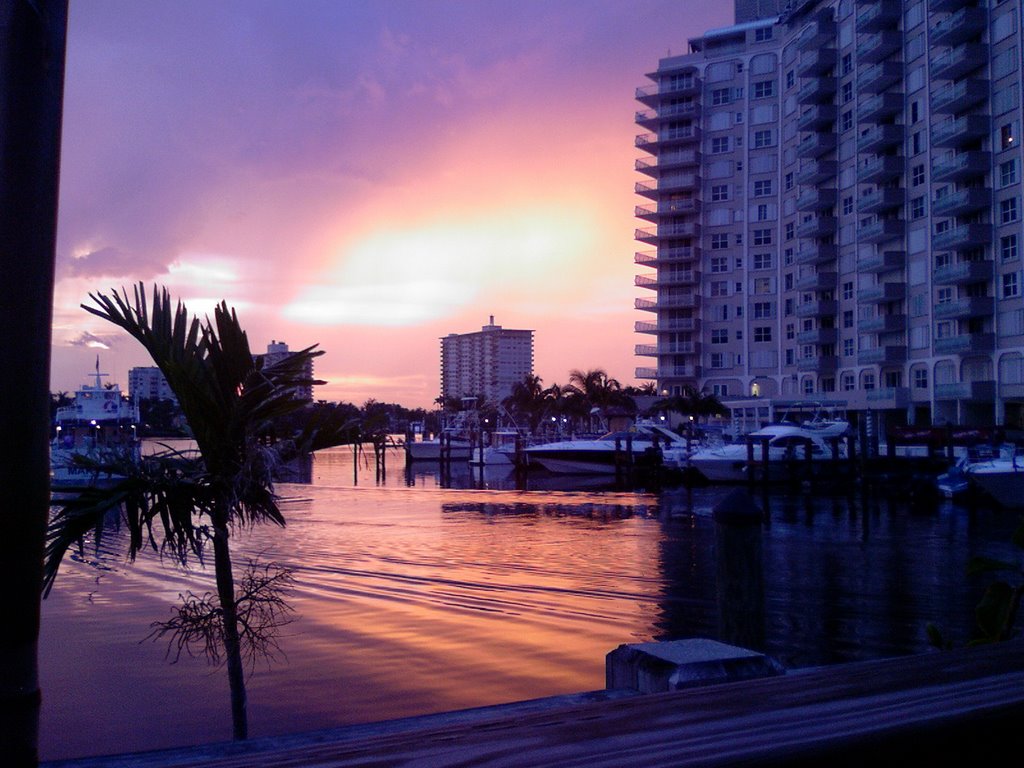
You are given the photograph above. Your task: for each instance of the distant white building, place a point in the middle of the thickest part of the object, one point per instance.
(277, 351)
(487, 362)
(148, 383)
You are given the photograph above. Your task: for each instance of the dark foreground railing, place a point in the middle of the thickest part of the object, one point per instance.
(951, 708)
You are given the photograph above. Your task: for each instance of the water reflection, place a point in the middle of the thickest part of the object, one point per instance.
(415, 598)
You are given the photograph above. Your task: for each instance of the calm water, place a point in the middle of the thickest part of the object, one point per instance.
(412, 598)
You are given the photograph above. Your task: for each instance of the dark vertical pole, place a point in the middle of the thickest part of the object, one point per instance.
(32, 43)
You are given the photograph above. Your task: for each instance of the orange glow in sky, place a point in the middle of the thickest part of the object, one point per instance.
(364, 176)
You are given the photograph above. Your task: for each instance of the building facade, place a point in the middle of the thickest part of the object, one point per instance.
(148, 383)
(833, 207)
(486, 363)
(277, 351)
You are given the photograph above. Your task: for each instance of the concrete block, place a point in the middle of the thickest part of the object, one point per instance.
(677, 664)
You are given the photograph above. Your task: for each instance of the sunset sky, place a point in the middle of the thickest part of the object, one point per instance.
(366, 176)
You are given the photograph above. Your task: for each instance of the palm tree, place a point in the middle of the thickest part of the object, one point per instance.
(231, 401)
(527, 400)
(599, 391)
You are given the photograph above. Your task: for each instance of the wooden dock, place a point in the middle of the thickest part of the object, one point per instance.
(951, 708)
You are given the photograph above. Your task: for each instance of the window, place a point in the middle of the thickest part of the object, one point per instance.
(719, 192)
(847, 65)
(1006, 136)
(944, 296)
(789, 181)
(720, 240)
(719, 336)
(848, 347)
(869, 381)
(721, 96)
(1011, 286)
(762, 310)
(790, 331)
(739, 239)
(915, 111)
(787, 281)
(917, 208)
(719, 144)
(790, 230)
(1008, 210)
(763, 261)
(808, 386)
(1008, 247)
(848, 205)
(1008, 173)
(762, 333)
(717, 360)
(762, 188)
(720, 390)
(719, 287)
(847, 93)
(763, 285)
(739, 118)
(790, 78)
(763, 139)
(917, 175)
(763, 34)
(846, 120)
(920, 378)
(720, 312)
(762, 237)
(764, 89)
(848, 319)
(790, 356)
(847, 382)
(719, 264)
(762, 213)
(848, 290)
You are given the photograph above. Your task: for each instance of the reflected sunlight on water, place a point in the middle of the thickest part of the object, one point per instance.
(412, 598)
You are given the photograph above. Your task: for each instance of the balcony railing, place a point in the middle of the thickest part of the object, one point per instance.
(667, 326)
(817, 116)
(816, 144)
(816, 171)
(969, 306)
(879, 46)
(885, 355)
(966, 23)
(881, 199)
(879, 106)
(819, 308)
(957, 62)
(880, 168)
(965, 165)
(816, 34)
(882, 293)
(816, 90)
(816, 62)
(816, 198)
(881, 230)
(958, 96)
(820, 364)
(817, 336)
(878, 138)
(962, 237)
(962, 201)
(878, 77)
(879, 263)
(966, 390)
(963, 272)
(965, 344)
(817, 253)
(883, 324)
(816, 226)
(963, 130)
(820, 281)
(879, 15)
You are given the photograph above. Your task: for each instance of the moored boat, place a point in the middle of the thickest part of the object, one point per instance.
(644, 443)
(1001, 477)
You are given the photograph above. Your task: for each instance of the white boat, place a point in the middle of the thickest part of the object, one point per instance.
(646, 443)
(727, 463)
(99, 425)
(502, 449)
(1001, 477)
(430, 449)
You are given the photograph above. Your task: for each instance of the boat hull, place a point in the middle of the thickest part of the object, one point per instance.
(430, 450)
(1004, 485)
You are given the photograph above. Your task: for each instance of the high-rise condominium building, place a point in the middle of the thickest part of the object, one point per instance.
(148, 383)
(835, 210)
(486, 363)
(277, 351)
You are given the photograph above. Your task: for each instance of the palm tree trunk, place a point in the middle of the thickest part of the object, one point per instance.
(232, 645)
(32, 42)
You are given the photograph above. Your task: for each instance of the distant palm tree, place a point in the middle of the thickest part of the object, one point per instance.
(231, 400)
(599, 391)
(527, 400)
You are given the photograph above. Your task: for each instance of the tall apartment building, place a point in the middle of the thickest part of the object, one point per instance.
(148, 383)
(835, 210)
(485, 363)
(277, 351)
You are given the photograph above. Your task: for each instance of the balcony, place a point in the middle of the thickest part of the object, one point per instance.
(965, 165)
(883, 324)
(879, 15)
(816, 34)
(682, 134)
(878, 77)
(881, 45)
(881, 199)
(817, 336)
(940, 6)
(816, 144)
(647, 350)
(966, 390)
(669, 371)
(967, 307)
(880, 169)
(668, 277)
(820, 281)
(645, 373)
(885, 355)
(666, 161)
(650, 118)
(881, 230)
(963, 272)
(816, 226)
(962, 201)
(816, 90)
(820, 364)
(816, 117)
(816, 199)
(666, 256)
(667, 207)
(816, 254)
(819, 308)
(966, 23)
(653, 235)
(882, 293)
(879, 138)
(881, 106)
(667, 326)
(880, 263)
(962, 237)
(676, 301)
(678, 348)
(965, 344)
(679, 182)
(957, 62)
(816, 62)
(816, 171)
(964, 130)
(960, 96)
(671, 85)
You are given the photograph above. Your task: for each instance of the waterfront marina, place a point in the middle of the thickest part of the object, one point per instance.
(411, 598)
